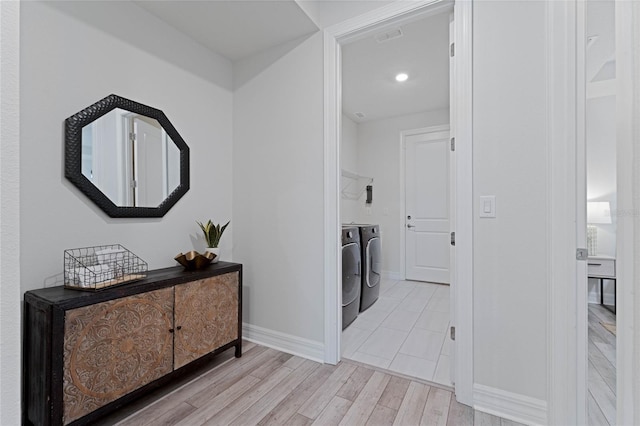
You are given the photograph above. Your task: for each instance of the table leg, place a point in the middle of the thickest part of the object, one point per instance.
(615, 294)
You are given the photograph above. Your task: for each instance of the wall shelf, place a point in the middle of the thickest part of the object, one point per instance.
(353, 185)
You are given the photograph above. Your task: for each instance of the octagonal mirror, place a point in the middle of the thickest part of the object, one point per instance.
(126, 157)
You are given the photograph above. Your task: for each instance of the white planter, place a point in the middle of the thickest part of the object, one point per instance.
(216, 251)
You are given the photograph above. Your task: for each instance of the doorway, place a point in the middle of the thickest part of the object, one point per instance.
(601, 196)
(394, 81)
(461, 293)
(426, 204)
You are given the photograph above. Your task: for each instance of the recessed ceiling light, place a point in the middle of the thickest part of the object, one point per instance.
(402, 77)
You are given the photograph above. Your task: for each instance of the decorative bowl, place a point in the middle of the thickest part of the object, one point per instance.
(194, 260)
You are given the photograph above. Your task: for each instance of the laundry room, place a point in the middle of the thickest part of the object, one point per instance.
(395, 197)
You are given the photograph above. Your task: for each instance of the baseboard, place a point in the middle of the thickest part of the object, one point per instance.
(508, 405)
(391, 275)
(288, 343)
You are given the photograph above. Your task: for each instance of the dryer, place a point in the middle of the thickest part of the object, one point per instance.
(371, 252)
(351, 274)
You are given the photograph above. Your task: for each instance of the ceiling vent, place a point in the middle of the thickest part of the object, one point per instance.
(389, 35)
(359, 114)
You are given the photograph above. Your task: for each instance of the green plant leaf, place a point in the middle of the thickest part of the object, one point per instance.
(212, 233)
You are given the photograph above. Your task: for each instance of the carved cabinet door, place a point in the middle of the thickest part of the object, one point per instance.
(206, 316)
(115, 347)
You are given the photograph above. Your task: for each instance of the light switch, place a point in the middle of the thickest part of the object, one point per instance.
(488, 206)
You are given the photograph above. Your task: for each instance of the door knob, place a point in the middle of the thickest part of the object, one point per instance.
(409, 217)
(410, 226)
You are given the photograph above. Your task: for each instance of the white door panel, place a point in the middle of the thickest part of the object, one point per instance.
(427, 206)
(429, 184)
(436, 261)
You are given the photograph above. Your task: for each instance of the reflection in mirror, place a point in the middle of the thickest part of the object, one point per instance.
(130, 158)
(126, 157)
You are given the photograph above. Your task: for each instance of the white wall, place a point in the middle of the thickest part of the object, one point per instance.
(74, 54)
(510, 161)
(349, 162)
(10, 306)
(601, 177)
(278, 193)
(601, 165)
(379, 157)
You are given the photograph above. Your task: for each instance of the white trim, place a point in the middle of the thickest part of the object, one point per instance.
(332, 257)
(463, 36)
(403, 192)
(462, 130)
(10, 291)
(390, 14)
(508, 405)
(628, 303)
(563, 381)
(403, 208)
(283, 342)
(430, 129)
(581, 292)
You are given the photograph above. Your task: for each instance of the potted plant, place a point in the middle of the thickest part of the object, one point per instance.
(212, 235)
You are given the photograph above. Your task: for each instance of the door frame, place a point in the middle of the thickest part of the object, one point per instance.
(403, 190)
(566, 372)
(627, 395)
(567, 315)
(461, 129)
(627, 93)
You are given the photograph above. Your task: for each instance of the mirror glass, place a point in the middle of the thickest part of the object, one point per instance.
(130, 158)
(126, 157)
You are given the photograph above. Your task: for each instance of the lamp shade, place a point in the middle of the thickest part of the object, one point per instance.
(598, 212)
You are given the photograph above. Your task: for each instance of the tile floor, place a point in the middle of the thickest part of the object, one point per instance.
(404, 331)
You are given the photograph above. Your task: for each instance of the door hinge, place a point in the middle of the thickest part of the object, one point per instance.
(582, 254)
(453, 50)
(453, 144)
(134, 183)
(132, 137)
(453, 333)
(453, 238)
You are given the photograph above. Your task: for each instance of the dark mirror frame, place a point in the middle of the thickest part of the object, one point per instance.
(73, 156)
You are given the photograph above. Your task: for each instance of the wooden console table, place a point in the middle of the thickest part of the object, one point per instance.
(86, 354)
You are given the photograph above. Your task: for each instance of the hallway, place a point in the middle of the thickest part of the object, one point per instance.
(269, 387)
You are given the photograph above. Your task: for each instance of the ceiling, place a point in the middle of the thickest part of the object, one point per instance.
(234, 29)
(239, 29)
(369, 68)
(601, 42)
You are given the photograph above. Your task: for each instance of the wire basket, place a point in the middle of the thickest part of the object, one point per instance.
(99, 267)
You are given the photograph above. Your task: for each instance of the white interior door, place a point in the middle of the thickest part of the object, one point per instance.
(148, 164)
(427, 238)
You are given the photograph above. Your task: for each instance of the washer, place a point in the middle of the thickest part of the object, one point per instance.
(371, 264)
(351, 274)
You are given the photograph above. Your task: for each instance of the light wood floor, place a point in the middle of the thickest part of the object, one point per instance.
(268, 387)
(602, 368)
